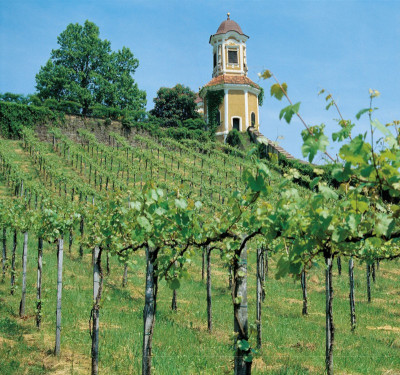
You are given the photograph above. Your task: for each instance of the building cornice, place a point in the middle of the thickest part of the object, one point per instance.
(229, 86)
(241, 38)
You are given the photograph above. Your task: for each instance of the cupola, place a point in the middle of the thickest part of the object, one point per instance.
(229, 49)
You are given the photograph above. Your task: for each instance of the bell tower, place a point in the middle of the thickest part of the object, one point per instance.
(229, 49)
(239, 105)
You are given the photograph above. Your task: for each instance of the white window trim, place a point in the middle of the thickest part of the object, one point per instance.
(226, 109)
(246, 107)
(255, 118)
(240, 122)
(233, 48)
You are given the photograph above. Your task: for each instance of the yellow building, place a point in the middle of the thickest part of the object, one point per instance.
(235, 95)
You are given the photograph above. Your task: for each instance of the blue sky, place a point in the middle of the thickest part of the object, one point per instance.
(345, 47)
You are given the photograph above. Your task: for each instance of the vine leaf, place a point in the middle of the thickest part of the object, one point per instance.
(144, 223)
(243, 345)
(288, 112)
(174, 284)
(389, 138)
(278, 90)
(266, 74)
(314, 141)
(360, 113)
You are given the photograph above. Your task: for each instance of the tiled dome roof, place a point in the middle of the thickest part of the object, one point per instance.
(229, 25)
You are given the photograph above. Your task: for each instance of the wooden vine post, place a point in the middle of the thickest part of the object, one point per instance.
(4, 254)
(24, 265)
(242, 363)
(329, 328)
(14, 249)
(209, 300)
(60, 255)
(368, 268)
(303, 278)
(39, 284)
(149, 310)
(260, 293)
(125, 276)
(95, 313)
(351, 295)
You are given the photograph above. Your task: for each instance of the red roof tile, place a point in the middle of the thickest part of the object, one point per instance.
(231, 79)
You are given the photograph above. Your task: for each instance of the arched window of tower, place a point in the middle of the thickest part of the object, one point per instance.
(218, 118)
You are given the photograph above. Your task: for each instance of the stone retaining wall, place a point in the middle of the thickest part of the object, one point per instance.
(97, 126)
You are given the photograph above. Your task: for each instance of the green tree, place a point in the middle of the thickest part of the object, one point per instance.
(19, 98)
(175, 105)
(86, 71)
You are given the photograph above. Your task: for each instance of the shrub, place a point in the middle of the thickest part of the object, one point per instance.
(194, 124)
(233, 139)
(14, 117)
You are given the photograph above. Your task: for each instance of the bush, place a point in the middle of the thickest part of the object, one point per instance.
(233, 139)
(51, 104)
(14, 117)
(69, 107)
(102, 111)
(195, 124)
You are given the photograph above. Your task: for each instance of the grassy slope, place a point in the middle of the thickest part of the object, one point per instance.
(292, 344)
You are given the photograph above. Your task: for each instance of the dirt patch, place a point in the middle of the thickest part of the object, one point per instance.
(68, 363)
(388, 277)
(7, 342)
(316, 288)
(259, 365)
(223, 273)
(395, 292)
(390, 372)
(303, 345)
(84, 326)
(385, 328)
(394, 271)
(314, 279)
(29, 338)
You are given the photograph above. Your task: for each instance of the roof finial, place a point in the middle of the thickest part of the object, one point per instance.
(228, 14)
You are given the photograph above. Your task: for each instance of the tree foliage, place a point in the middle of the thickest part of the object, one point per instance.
(214, 99)
(86, 71)
(175, 106)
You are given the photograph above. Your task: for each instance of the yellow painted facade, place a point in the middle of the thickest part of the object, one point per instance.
(236, 109)
(253, 107)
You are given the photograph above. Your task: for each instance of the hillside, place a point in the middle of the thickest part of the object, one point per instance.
(84, 169)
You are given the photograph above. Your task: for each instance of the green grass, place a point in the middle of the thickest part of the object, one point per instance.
(292, 344)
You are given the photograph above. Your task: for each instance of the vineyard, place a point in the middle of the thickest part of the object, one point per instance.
(136, 255)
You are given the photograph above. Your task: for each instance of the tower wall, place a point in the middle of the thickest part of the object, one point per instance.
(236, 109)
(253, 107)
